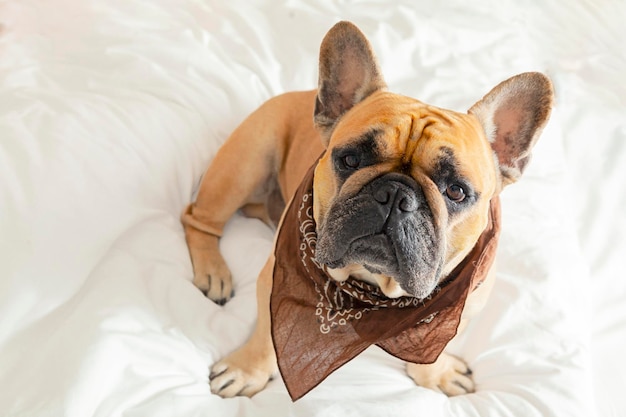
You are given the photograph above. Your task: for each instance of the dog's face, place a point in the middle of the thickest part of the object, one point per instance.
(402, 193)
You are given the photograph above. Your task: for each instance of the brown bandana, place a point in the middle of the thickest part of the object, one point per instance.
(319, 324)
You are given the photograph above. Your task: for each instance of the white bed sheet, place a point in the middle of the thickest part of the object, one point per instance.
(110, 112)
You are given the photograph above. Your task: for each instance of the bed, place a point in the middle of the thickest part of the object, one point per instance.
(111, 110)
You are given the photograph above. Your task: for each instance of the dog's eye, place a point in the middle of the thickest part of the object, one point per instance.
(351, 161)
(455, 193)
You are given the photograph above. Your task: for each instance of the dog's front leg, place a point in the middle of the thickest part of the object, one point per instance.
(247, 370)
(236, 178)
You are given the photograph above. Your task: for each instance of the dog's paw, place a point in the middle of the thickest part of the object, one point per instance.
(448, 374)
(210, 272)
(215, 281)
(241, 374)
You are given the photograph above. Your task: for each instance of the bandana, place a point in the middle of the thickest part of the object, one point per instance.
(319, 324)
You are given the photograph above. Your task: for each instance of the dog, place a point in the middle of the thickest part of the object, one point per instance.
(401, 193)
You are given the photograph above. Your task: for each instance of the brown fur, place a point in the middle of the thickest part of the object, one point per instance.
(261, 164)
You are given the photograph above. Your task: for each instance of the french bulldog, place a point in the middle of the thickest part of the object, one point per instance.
(424, 178)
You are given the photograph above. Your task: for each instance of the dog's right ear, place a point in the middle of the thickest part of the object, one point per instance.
(348, 73)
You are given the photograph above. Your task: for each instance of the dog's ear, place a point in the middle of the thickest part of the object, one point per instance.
(348, 73)
(513, 115)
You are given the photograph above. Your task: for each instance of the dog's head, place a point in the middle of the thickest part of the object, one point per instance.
(402, 193)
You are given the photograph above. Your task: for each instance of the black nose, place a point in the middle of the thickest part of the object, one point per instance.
(396, 196)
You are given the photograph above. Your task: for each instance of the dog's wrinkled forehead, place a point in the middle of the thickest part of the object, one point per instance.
(397, 133)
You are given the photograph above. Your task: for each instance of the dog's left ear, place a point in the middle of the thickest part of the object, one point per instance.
(348, 73)
(513, 115)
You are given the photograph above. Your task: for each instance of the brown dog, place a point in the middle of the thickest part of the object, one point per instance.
(401, 194)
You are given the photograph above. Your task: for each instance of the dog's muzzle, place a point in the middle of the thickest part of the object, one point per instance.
(389, 229)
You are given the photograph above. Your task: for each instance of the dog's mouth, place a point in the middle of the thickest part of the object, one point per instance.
(417, 276)
(373, 252)
(389, 230)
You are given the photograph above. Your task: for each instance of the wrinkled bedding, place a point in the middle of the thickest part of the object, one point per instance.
(110, 112)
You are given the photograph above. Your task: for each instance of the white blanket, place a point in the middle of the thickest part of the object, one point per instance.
(110, 111)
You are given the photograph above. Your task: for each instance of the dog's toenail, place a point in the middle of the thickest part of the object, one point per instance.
(226, 385)
(242, 389)
(213, 375)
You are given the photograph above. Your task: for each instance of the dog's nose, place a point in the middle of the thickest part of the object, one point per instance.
(396, 196)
